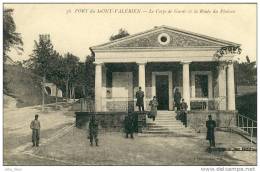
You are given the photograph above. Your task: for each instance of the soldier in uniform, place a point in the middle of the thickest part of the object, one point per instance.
(140, 99)
(93, 130)
(153, 103)
(35, 127)
(129, 125)
(211, 125)
(177, 98)
(183, 108)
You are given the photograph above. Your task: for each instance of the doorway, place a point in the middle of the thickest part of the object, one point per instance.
(162, 92)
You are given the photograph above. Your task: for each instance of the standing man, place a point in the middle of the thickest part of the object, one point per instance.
(177, 98)
(153, 103)
(183, 108)
(140, 99)
(129, 125)
(211, 125)
(93, 130)
(35, 127)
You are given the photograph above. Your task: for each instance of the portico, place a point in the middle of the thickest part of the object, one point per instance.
(160, 60)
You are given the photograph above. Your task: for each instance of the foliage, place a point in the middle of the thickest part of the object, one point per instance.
(42, 56)
(121, 33)
(11, 39)
(90, 76)
(70, 65)
(245, 73)
(55, 72)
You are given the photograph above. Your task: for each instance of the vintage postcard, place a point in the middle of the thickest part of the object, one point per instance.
(137, 84)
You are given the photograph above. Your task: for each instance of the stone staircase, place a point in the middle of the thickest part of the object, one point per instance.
(166, 125)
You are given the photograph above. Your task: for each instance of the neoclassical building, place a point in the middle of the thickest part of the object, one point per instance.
(160, 61)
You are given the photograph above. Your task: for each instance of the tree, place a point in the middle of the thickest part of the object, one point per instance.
(57, 74)
(90, 76)
(11, 39)
(41, 57)
(245, 73)
(70, 63)
(121, 33)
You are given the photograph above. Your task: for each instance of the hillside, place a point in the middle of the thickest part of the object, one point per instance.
(24, 86)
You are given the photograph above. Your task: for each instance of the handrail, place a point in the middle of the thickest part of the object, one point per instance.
(247, 117)
(248, 125)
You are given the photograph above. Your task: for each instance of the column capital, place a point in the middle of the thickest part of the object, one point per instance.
(141, 62)
(222, 65)
(230, 62)
(98, 63)
(185, 62)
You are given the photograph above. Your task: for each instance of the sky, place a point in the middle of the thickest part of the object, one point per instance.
(76, 27)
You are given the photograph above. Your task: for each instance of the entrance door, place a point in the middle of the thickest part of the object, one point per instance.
(162, 92)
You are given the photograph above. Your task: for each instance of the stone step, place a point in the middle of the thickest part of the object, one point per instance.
(168, 127)
(158, 129)
(165, 135)
(180, 129)
(173, 133)
(165, 116)
(168, 115)
(162, 121)
(166, 124)
(172, 120)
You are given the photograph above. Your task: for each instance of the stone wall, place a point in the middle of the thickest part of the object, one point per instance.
(110, 121)
(197, 119)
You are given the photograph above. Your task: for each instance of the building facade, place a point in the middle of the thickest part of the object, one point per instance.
(160, 61)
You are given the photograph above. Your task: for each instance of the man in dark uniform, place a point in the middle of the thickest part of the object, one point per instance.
(129, 125)
(93, 130)
(177, 98)
(35, 126)
(140, 99)
(183, 116)
(211, 125)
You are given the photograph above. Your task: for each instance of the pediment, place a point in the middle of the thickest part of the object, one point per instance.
(164, 37)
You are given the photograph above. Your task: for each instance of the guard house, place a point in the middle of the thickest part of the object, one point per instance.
(161, 60)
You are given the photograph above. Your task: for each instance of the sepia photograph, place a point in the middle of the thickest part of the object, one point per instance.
(130, 84)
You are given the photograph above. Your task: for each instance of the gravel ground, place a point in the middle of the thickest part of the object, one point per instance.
(17, 132)
(114, 149)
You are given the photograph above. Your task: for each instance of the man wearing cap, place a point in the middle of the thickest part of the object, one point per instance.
(129, 125)
(183, 116)
(35, 127)
(93, 130)
(211, 125)
(177, 98)
(140, 99)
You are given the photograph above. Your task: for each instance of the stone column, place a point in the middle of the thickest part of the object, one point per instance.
(98, 87)
(104, 88)
(186, 82)
(141, 79)
(231, 87)
(222, 102)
